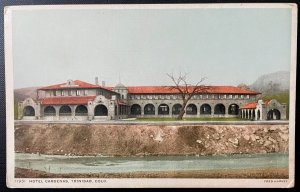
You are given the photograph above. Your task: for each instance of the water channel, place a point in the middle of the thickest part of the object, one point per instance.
(96, 164)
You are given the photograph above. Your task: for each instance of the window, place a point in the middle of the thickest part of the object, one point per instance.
(230, 96)
(62, 93)
(248, 96)
(77, 92)
(236, 96)
(69, 93)
(201, 96)
(242, 96)
(224, 96)
(85, 92)
(54, 93)
(212, 96)
(219, 96)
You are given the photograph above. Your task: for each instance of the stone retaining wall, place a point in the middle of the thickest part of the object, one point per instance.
(142, 139)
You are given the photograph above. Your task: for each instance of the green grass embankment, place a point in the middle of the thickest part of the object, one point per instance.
(189, 119)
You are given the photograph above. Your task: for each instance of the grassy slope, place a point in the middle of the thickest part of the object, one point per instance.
(189, 119)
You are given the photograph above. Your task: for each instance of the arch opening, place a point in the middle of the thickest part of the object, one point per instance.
(81, 110)
(273, 114)
(100, 110)
(149, 109)
(49, 111)
(233, 109)
(176, 109)
(163, 109)
(65, 110)
(28, 111)
(205, 109)
(135, 109)
(219, 109)
(191, 109)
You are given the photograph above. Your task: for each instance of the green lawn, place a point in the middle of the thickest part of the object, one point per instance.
(189, 119)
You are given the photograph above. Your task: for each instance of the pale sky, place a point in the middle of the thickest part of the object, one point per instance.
(228, 46)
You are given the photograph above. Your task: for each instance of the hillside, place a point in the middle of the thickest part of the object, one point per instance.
(23, 93)
(272, 83)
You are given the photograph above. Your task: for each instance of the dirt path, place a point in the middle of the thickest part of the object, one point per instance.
(275, 173)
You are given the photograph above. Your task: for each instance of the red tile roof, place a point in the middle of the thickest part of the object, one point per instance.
(154, 89)
(171, 90)
(267, 101)
(77, 84)
(253, 105)
(249, 106)
(79, 100)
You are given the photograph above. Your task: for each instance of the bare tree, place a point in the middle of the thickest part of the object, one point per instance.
(186, 90)
(243, 86)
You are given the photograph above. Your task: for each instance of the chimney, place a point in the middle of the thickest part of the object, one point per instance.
(96, 81)
(103, 83)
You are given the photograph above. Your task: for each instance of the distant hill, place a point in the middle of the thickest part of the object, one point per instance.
(272, 83)
(23, 93)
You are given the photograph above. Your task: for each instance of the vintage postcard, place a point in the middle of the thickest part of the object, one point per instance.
(181, 95)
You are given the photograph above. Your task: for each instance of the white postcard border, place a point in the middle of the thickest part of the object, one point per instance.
(149, 183)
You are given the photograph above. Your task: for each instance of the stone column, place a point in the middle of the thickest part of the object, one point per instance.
(212, 110)
(57, 112)
(142, 110)
(156, 110)
(90, 111)
(73, 111)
